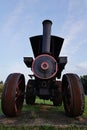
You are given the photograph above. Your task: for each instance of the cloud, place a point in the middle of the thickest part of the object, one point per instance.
(81, 68)
(73, 32)
(16, 67)
(13, 17)
(83, 65)
(74, 28)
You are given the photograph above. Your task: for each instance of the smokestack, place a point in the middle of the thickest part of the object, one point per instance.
(46, 36)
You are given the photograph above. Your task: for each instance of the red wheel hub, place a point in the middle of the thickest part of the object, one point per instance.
(44, 65)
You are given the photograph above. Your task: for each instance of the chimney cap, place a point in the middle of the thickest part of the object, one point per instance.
(47, 21)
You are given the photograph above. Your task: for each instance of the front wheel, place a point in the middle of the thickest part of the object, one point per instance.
(13, 94)
(73, 95)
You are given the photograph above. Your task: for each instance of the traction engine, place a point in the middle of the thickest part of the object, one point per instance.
(45, 82)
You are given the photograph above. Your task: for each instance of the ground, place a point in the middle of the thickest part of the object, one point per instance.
(44, 116)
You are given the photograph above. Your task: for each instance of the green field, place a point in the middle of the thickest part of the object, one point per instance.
(35, 109)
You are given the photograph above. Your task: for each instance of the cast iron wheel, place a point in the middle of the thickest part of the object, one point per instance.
(30, 96)
(73, 95)
(57, 100)
(13, 94)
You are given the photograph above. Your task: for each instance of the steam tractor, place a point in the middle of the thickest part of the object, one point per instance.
(46, 81)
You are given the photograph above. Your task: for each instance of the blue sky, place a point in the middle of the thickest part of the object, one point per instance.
(21, 19)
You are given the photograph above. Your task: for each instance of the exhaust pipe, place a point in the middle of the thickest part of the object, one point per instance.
(46, 40)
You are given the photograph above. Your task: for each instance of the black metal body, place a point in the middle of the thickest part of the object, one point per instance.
(47, 65)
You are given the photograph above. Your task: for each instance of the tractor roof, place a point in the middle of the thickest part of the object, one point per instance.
(56, 45)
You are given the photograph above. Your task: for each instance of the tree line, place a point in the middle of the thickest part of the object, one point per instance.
(83, 79)
(84, 82)
(1, 82)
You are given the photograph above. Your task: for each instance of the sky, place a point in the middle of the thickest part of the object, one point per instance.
(21, 19)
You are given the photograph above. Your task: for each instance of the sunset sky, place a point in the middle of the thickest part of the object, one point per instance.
(21, 19)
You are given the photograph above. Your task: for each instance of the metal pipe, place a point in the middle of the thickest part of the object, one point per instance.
(46, 36)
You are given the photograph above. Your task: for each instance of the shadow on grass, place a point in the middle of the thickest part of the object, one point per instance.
(42, 115)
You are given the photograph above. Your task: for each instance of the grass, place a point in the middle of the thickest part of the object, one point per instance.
(85, 111)
(39, 103)
(48, 102)
(39, 128)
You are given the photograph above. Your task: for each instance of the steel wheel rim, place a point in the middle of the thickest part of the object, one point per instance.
(73, 95)
(12, 100)
(19, 95)
(67, 96)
